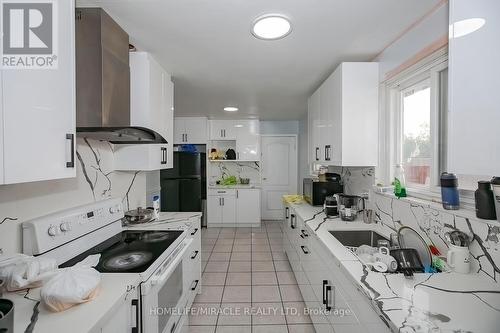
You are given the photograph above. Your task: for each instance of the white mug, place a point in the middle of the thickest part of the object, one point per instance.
(384, 256)
(458, 258)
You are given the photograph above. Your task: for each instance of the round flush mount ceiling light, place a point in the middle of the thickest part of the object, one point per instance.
(465, 27)
(271, 27)
(231, 109)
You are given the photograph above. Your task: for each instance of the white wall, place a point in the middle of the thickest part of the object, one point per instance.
(303, 152)
(95, 181)
(421, 36)
(279, 127)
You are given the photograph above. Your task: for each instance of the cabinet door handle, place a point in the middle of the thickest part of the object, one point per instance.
(187, 137)
(223, 202)
(317, 151)
(194, 232)
(220, 201)
(328, 291)
(163, 155)
(325, 283)
(224, 133)
(71, 138)
(292, 221)
(135, 303)
(237, 194)
(221, 135)
(195, 282)
(327, 152)
(304, 249)
(195, 254)
(287, 212)
(303, 234)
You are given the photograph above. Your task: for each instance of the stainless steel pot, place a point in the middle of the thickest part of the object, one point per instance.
(139, 215)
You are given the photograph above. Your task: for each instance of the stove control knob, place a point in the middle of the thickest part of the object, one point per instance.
(114, 209)
(65, 226)
(52, 231)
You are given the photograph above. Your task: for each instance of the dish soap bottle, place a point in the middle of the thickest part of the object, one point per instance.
(399, 182)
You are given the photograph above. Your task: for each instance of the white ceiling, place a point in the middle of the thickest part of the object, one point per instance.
(215, 61)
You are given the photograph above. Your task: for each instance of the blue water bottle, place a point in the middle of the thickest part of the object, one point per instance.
(449, 191)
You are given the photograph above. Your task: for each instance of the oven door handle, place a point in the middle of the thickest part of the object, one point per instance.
(173, 265)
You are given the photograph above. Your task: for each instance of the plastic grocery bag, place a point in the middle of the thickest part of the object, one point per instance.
(72, 285)
(20, 271)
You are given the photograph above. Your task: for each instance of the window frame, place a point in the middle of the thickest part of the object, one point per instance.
(429, 68)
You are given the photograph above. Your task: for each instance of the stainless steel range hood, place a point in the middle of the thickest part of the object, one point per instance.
(103, 81)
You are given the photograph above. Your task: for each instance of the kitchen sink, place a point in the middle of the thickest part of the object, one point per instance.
(356, 238)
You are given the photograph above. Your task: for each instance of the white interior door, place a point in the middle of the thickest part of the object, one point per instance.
(279, 173)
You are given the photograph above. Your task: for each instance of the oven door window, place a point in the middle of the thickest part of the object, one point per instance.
(169, 297)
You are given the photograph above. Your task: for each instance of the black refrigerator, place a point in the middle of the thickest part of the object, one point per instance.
(183, 188)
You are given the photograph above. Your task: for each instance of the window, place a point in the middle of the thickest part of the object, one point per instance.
(417, 102)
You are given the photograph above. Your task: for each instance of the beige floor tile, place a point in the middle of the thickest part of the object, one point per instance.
(203, 314)
(242, 248)
(222, 248)
(291, 293)
(270, 329)
(241, 256)
(243, 236)
(225, 241)
(240, 266)
(286, 278)
(264, 279)
(259, 235)
(261, 248)
(208, 241)
(237, 294)
(239, 279)
(262, 256)
(220, 256)
(213, 279)
(264, 294)
(233, 329)
(307, 328)
(282, 266)
(262, 266)
(217, 266)
(297, 316)
(235, 314)
(268, 314)
(200, 329)
(210, 294)
(245, 241)
(279, 256)
(260, 241)
(207, 248)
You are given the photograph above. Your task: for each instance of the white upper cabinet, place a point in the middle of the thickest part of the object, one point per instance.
(474, 78)
(247, 140)
(39, 109)
(151, 106)
(190, 130)
(222, 130)
(246, 134)
(343, 117)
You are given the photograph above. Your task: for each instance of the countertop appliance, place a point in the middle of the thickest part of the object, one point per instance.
(103, 81)
(315, 191)
(157, 257)
(331, 206)
(350, 206)
(183, 188)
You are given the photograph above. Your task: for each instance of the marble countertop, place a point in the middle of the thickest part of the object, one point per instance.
(88, 317)
(236, 187)
(440, 302)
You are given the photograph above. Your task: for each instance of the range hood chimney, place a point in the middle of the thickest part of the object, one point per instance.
(103, 81)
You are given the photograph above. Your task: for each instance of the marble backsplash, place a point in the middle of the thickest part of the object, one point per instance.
(95, 180)
(432, 222)
(357, 180)
(219, 170)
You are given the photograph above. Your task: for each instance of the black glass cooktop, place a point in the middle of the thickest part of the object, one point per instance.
(129, 251)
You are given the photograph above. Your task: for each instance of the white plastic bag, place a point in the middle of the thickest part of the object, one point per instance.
(20, 271)
(71, 286)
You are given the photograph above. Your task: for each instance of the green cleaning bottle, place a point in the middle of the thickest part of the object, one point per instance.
(399, 182)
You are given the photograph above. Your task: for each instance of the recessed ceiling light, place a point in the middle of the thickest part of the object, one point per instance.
(238, 126)
(271, 27)
(465, 27)
(231, 109)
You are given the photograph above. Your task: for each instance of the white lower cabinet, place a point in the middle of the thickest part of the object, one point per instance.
(233, 208)
(333, 300)
(248, 206)
(143, 157)
(221, 207)
(192, 265)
